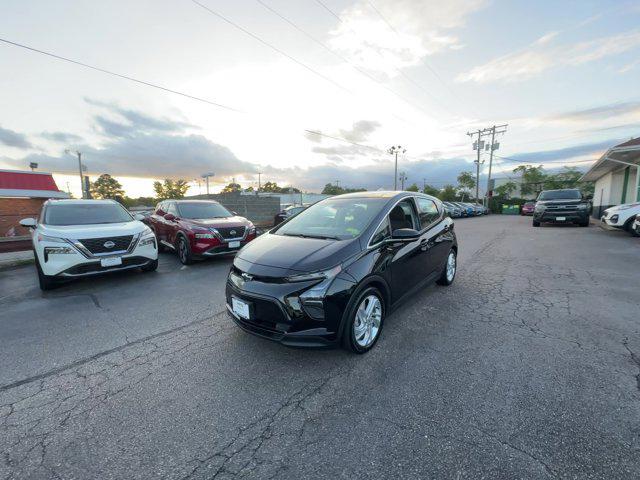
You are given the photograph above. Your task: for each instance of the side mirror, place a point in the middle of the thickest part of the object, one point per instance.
(405, 234)
(138, 216)
(169, 216)
(28, 222)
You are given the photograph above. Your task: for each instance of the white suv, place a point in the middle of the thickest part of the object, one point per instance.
(622, 216)
(78, 238)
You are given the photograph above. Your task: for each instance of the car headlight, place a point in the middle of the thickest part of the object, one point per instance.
(540, 208)
(205, 233)
(313, 299)
(307, 277)
(147, 237)
(58, 250)
(583, 206)
(47, 238)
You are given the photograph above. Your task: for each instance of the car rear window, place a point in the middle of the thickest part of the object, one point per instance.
(85, 214)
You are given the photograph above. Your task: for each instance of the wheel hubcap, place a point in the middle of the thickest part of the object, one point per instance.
(451, 266)
(183, 250)
(367, 323)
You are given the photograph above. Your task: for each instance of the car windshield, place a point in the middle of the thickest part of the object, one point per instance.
(560, 195)
(85, 214)
(202, 210)
(336, 218)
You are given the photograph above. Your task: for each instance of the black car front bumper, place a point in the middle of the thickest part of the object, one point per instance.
(556, 216)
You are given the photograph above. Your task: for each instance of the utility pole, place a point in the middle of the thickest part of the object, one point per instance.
(402, 178)
(338, 183)
(394, 151)
(478, 145)
(494, 146)
(206, 177)
(68, 151)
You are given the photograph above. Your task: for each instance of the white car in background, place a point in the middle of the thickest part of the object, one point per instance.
(621, 216)
(81, 238)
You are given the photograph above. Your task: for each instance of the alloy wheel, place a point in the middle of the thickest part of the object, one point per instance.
(182, 250)
(367, 322)
(451, 266)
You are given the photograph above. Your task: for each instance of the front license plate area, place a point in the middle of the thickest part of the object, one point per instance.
(111, 262)
(240, 308)
(561, 219)
(235, 244)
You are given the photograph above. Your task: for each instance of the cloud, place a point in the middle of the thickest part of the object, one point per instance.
(360, 130)
(598, 113)
(540, 57)
(14, 139)
(395, 34)
(139, 145)
(61, 137)
(567, 153)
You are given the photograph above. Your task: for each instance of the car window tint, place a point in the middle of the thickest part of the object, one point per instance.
(382, 233)
(428, 211)
(160, 208)
(171, 208)
(403, 215)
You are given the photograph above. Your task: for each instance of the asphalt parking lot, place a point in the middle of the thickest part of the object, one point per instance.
(527, 367)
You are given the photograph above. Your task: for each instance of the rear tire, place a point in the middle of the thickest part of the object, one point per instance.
(184, 251)
(634, 232)
(629, 226)
(536, 224)
(362, 331)
(46, 282)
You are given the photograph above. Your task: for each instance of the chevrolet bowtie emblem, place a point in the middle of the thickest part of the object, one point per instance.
(247, 277)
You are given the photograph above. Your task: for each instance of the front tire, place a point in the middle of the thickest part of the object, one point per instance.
(364, 322)
(150, 267)
(46, 282)
(184, 251)
(448, 274)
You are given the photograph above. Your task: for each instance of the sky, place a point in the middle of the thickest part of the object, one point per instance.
(308, 92)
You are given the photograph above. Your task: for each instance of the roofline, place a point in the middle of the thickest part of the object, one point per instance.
(26, 193)
(605, 156)
(25, 171)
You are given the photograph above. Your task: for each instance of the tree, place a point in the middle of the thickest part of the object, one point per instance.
(170, 189)
(107, 187)
(232, 187)
(431, 190)
(330, 189)
(533, 179)
(466, 181)
(568, 178)
(272, 187)
(449, 193)
(413, 188)
(506, 189)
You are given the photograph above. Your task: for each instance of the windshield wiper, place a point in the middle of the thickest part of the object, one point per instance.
(306, 235)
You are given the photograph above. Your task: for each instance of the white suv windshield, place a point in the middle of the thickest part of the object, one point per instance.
(85, 214)
(340, 218)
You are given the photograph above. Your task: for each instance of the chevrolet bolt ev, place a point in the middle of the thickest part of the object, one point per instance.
(561, 206)
(199, 229)
(82, 238)
(331, 274)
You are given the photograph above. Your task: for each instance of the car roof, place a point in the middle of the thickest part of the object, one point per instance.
(385, 194)
(74, 201)
(186, 200)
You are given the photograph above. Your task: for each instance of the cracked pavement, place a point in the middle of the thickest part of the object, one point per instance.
(527, 367)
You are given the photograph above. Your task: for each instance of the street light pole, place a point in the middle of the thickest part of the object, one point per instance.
(394, 151)
(68, 151)
(206, 177)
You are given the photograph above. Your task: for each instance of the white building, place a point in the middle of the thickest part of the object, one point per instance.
(616, 176)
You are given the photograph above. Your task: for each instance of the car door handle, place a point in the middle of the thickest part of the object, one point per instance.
(425, 245)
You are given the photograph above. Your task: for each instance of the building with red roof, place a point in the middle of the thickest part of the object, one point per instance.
(22, 194)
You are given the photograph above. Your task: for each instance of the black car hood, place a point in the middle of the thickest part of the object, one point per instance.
(278, 255)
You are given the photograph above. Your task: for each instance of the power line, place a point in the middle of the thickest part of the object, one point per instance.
(337, 55)
(119, 75)
(273, 47)
(398, 71)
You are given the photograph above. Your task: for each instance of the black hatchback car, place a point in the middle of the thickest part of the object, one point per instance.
(331, 274)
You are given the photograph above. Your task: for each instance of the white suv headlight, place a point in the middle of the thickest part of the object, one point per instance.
(147, 237)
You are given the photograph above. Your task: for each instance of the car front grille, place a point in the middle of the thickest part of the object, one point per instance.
(97, 245)
(96, 267)
(231, 232)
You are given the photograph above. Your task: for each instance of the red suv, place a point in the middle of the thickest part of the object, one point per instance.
(199, 228)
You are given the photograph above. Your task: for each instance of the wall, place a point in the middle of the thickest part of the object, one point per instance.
(13, 236)
(602, 195)
(260, 210)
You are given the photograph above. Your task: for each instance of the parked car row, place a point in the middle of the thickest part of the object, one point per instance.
(328, 275)
(464, 209)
